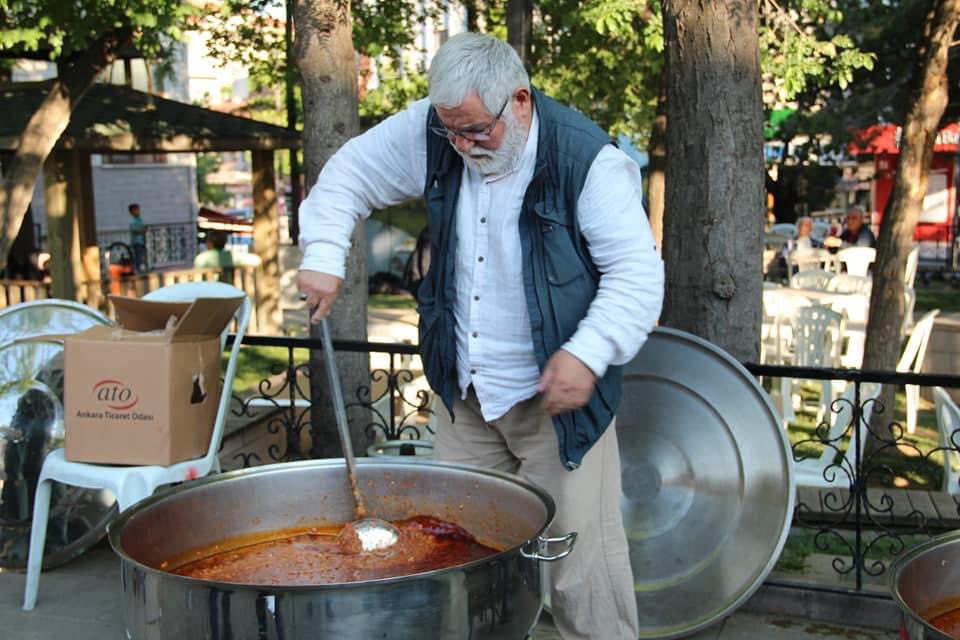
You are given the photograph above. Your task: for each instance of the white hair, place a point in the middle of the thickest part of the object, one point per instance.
(470, 62)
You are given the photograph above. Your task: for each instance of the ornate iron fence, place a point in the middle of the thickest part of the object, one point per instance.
(394, 403)
(861, 503)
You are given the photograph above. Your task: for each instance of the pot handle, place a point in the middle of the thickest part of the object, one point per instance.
(543, 543)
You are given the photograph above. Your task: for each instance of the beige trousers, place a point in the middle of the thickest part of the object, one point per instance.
(591, 590)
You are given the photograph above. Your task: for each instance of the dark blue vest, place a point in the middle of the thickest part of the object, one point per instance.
(559, 277)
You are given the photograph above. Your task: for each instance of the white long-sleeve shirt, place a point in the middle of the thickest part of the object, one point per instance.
(387, 165)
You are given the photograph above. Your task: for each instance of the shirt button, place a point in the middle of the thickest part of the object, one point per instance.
(480, 259)
(476, 335)
(473, 372)
(483, 220)
(476, 298)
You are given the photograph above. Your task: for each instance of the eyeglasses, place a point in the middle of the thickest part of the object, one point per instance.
(474, 134)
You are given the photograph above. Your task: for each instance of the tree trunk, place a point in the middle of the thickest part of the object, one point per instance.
(656, 181)
(323, 50)
(45, 127)
(713, 214)
(929, 97)
(473, 14)
(519, 20)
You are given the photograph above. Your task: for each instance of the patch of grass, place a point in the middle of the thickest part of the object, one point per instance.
(391, 301)
(908, 464)
(255, 364)
(938, 294)
(801, 544)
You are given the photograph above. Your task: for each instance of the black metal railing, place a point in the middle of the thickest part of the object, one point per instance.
(853, 509)
(857, 492)
(393, 403)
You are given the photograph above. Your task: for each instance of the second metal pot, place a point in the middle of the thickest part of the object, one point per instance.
(925, 581)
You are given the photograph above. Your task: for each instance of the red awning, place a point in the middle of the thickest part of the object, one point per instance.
(885, 138)
(212, 219)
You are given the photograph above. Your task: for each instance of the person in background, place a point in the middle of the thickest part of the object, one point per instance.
(216, 256)
(138, 238)
(804, 241)
(543, 279)
(855, 233)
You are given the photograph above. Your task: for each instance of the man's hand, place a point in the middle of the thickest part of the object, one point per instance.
(320, 291)
(566, 383)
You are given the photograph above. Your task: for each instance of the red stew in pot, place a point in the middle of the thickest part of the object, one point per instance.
(948, 622)
(316, 556)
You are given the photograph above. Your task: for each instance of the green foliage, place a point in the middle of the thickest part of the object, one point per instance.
(869, 83)
(245, 32)
(213, 194)
(62, 28)
(394, 92)
(603, 57)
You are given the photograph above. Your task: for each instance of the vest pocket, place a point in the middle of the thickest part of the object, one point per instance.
(560, 256)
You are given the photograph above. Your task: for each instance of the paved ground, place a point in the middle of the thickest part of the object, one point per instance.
(80, 601)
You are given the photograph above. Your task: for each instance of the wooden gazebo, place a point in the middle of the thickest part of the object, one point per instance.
(117, 119)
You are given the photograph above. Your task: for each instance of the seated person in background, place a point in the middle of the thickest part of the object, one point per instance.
(216, 256)
(804, 241)
(856, 233)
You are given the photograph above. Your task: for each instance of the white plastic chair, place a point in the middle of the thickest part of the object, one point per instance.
(815, 278)
(849, 283)
(948, 421)
(131, 484)
(909, 303)
(911, 361)
(857, 259)
(813, 471)
(817, 338)
(910, 271)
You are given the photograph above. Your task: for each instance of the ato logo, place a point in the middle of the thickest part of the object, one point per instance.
(115, 394)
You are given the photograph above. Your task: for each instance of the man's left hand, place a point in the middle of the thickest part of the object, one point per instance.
(566, 384)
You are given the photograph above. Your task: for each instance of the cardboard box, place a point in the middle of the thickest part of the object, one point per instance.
(146, 391)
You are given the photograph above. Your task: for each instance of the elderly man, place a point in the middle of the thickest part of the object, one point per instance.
(543, 279)
(856, 233)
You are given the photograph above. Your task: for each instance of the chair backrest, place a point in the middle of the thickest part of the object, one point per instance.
(787, 229)
(911, 360)
(802, 260)
(848, 283)
(857, 259)
(187, 291)
(818, 334)
(811, 279)
(913, 263)
(948, 422)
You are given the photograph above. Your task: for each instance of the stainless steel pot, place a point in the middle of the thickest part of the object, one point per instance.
(495, 598)
(925, 581)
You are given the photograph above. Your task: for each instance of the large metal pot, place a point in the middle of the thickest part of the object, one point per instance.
(925, 581)
(495, 598)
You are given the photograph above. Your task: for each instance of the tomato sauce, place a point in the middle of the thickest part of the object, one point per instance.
(317, 556)
(948, 622)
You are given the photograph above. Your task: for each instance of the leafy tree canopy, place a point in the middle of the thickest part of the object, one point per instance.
(890, 33)
(604, 57)
(59, 29)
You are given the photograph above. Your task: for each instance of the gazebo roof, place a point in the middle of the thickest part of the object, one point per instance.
(117, 119)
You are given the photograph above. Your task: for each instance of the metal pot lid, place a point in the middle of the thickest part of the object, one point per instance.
(707, 475)
(47, 317)
(31, 425)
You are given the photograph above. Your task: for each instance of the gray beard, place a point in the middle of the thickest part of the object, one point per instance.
(488, 162)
